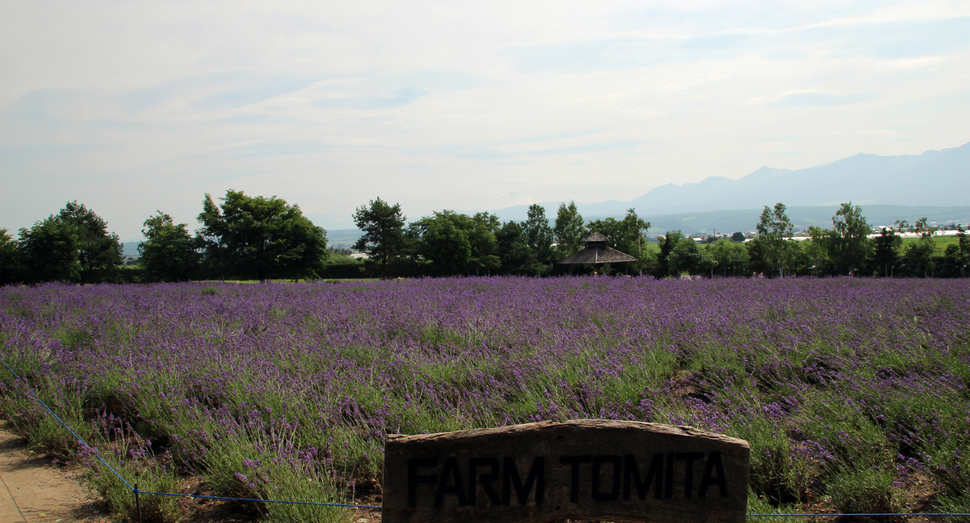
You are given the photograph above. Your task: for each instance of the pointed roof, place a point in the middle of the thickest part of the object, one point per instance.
(597, 253)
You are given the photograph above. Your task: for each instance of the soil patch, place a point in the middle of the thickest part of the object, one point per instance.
(31, 489)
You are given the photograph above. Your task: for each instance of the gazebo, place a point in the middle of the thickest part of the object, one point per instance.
(597, 253)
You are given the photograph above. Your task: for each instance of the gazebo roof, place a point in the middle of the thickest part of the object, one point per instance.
(597, 253)
(596, 237)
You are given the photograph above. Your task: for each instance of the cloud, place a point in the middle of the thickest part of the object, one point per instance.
(895, 39)
(398, 98)
(820, 99)
(438, 104)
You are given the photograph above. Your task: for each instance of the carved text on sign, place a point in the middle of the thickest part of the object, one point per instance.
(596, 469)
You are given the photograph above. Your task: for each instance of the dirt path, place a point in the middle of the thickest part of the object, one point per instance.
(33, 490)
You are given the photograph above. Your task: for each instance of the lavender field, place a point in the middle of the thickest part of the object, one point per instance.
(853, 393)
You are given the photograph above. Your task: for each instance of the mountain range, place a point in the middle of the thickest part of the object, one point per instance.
(935, 184)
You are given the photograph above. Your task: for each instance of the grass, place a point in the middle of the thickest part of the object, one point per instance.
(939, 242)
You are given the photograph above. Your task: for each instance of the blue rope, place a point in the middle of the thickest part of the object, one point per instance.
(59, 420)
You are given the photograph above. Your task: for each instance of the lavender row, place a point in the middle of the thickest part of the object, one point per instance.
(836, 383)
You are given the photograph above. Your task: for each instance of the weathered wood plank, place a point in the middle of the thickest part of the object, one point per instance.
(584, 469)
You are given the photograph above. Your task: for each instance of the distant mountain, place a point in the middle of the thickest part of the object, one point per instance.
(936, 182)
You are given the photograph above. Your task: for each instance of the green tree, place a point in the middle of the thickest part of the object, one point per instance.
(539, 237)
(169, 253)
(454, 243)
(731, 257)
(99, 253)
(261, 237)
(9, 258)
(917, 259)
(383, 238)
(481, 234)
(738, 237)
(849, 244)
(774, 232)
(513, 250)
(886, 253)
(49, 252)
(923, 227)
(569, 230)
(687, 256)
(667, 244)
(816, 252)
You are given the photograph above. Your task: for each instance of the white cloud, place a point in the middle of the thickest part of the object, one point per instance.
(135, 106)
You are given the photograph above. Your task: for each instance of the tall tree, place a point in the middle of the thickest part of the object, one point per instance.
(481, 234)
(849, 246)
(816, 252)
(383, 238)
(539, 237)
(169, 253)
(262, 237)
(513, 250)
(569, 230)
(886, 254)
(918, 257)
(667, 244)
(99, 253)
(774, 233)
(49, 252)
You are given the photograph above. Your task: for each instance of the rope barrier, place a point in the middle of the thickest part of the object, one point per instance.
(136, 491)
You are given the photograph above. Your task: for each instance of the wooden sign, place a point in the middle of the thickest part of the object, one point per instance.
(584, 469)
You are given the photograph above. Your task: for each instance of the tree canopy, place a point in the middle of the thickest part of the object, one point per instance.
(383, 228)
(848, 244)
(774, 238)
(458, 244)
(261, 237)
(539, 237)
(49, 252)
(569, 230)
(99, 253)
(169, 252)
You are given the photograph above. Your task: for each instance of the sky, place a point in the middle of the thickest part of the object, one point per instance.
(134, 106)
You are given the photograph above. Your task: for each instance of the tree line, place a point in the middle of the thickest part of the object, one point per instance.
(848, 248)
(448, 243)
(245, 237)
